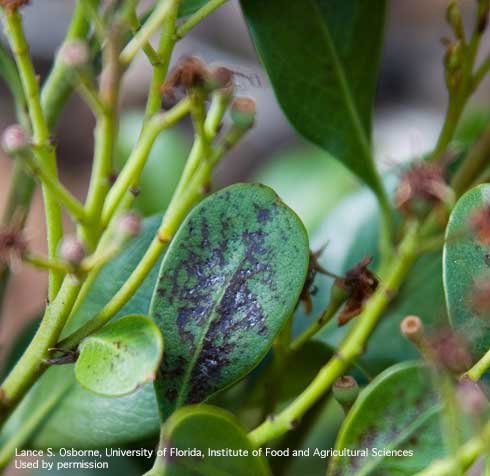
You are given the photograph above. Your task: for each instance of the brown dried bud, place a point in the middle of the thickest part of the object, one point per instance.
(413, 329)
(422, 186)
(15, 140)
(471, 397)
(75, 54)
(12, 5)
(72, 250)
(359, 284)
(189, 72)
(479, 222)
(13, 245)
(219, 78)
(129, 225)
(345, 390)
(243, 111)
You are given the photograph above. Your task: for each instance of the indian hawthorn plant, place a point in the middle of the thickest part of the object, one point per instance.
(214, 301)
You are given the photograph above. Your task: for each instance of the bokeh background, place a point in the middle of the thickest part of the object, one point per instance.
(409, 109)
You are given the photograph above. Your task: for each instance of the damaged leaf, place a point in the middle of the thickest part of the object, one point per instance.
(466, 270)
(204, 428)
(229, 281)
(398, 412)
(121, 357)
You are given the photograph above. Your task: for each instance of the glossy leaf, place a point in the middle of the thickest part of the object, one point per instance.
(322, 57)
(205, 428)
(421, 294)
(467, 270)
(120, 357)
(230, 279)
(397, 411)
(97, 421)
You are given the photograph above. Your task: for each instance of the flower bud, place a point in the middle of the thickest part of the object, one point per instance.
(243, 112)
(219, 78)
(15, 140)
(471, 397)
(71, 250)
(129, 225)
(345, 390)
(75, 54)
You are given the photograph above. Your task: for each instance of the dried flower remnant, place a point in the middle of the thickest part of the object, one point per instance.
(13, 245)
(359, 283)
(12, 5)
(309, 289)
(449, 351)
(479, 222)
(422, 185)
(345, 390)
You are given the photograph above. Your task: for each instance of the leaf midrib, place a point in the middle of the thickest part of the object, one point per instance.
(183, 392)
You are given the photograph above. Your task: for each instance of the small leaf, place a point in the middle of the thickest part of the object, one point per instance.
(204, 428)
(120, 357)
(398, 411)
(322, 57)
(467, 268)
(97, 421)
(229, 280)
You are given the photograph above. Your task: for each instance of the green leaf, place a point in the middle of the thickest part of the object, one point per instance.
(204, 428)
(398, 411)
(96, 421)
(187, 7)
(466, 270)
(229, 280)
(322, 57)
(351, 232)
(121, 357)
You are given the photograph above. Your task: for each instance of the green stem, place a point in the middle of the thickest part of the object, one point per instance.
(333, 306)
(57, 87)
(179, 206)
(134, 166)
(476, 372)
(57, 190)
(351, 347)
(44, 150)
(463, 458)
(198, 16)
(164, 52)
(31, 365)
(164, 9)
(45, 263)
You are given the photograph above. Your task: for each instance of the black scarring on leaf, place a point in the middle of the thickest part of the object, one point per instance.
(229, 281)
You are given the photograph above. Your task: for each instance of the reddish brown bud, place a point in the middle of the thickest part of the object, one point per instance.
(243, 111)
(219, 78)
(15, 140)
(129, 225)
(75, 53)
(471, 397)
(449, 351)
(12, 5)
(13, 245)
(72, 250)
